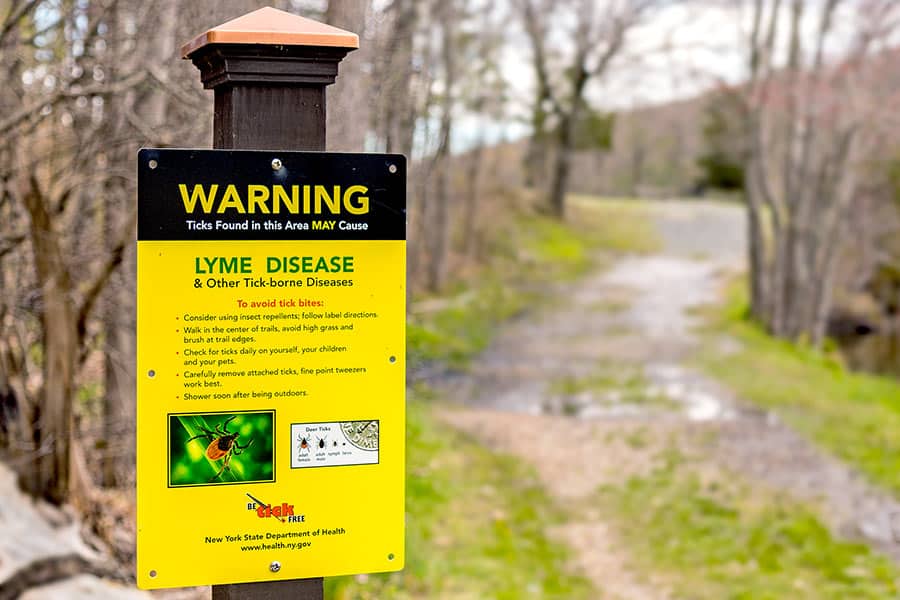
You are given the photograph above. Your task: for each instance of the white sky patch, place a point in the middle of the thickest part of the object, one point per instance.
(691, 47)
(679, 52)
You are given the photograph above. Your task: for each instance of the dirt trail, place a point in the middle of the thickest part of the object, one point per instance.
(558, 389)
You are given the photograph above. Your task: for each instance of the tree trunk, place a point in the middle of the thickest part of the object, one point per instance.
(119, 402)
(779, 281)
(821, 300)
(348, 114)
(17, 407)
(559, 183)
(416, 246)
(439, 228)
(470, 219)
(805, 279)
(396, 118)
(756, 256)
(535, 162)
(638, 157)
(119, 381)
(52, 434)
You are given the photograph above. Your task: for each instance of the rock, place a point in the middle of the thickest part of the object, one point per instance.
(26, 532)
(40, 544)
(84, 587)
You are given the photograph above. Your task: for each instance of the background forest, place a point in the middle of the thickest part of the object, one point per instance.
(541, 135)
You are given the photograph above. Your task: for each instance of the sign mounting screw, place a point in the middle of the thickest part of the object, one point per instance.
(275, 566)
(276, 164)
(392, 168)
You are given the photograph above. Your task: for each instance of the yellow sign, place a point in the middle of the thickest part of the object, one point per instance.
(271, 372)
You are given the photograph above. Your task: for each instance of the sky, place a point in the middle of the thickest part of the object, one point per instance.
(682, 51)
(679, 53)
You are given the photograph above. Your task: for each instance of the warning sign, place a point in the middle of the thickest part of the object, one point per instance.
(271, 367)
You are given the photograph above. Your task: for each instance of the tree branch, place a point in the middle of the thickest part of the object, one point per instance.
(113, 260)
(100, 89)
(536, 34)
(15, 14)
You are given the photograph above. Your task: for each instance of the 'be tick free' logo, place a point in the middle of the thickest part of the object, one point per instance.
(284, 512)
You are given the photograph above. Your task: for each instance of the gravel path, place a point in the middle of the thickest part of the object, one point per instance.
(536, 393)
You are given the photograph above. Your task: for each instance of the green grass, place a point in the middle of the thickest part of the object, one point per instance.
(552, 242)
(475, 525)
(711, 539)
(617, 225)
(462, 329)
(854, 416)
(535, 252)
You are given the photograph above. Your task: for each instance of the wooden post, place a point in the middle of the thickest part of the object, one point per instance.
(268, 70)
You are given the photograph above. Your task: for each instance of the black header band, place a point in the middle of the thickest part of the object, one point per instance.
(270, 195)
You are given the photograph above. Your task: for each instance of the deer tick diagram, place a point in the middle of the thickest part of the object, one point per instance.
(334, 444)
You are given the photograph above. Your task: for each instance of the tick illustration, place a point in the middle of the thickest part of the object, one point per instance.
(222, 446)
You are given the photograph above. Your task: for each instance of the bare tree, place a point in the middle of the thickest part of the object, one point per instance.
(439, 225)
(484, 96)
(810, 122)
(394, 117)
(89, 83)
(597, 37)
(46, 186)
(138, 114)
(348, 106)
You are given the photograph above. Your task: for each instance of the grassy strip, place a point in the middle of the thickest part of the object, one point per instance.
(854, 416)
(460, 330)
(475, 525)
(617, 224)
(724, 539)
(535, 252)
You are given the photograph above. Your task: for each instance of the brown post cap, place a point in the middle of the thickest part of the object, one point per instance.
(271, 26)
